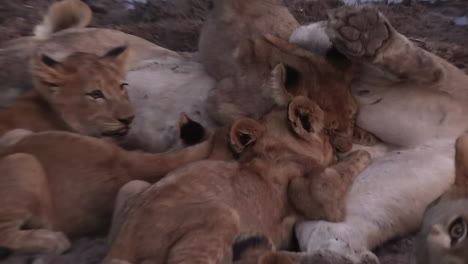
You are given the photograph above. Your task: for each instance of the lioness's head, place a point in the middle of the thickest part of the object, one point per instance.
(443, 238)
(294, 71)
(295, 132)
(88, 92)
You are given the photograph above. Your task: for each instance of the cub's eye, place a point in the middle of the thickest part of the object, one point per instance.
(96, 94)
(123, 86)
(457, 230)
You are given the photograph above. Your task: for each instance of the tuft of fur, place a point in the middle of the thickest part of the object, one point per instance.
(63, 15)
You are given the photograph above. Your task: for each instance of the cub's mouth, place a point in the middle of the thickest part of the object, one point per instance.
(119, 133)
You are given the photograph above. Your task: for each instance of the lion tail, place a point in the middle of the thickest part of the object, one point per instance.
(63, 15)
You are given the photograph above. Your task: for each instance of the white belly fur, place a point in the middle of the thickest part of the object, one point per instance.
(387, 200)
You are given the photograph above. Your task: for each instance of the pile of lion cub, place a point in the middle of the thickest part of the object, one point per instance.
(298, 112)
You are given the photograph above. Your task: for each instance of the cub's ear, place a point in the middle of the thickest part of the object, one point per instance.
(120, 56)
(245, 132)
(285, 83)
(461, 163)
(305, 116)
(48, 72)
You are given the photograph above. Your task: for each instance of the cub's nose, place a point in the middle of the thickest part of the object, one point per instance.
(127, 120)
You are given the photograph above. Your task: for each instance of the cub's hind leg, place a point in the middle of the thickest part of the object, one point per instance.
(26, 208)
(124, 201)
(363, 33)
(208, 242)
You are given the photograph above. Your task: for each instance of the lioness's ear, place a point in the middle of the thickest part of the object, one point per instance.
(305, 117)
(191, 132)
(120, 56)
(461, 163)
(48, 72)
(245, 132)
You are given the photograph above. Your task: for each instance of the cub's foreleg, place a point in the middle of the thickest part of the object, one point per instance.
(26, 222)
(323, 196)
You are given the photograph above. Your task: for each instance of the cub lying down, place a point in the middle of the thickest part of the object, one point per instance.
(56, 185)
(443, 236)
(84, 93)
(282, 175)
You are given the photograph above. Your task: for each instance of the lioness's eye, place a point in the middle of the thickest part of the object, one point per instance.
(457, 230)
(96, 94)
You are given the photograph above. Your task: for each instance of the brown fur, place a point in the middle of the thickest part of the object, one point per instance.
(57, 185)
(62, 98)
(243, 45)
(197, 212)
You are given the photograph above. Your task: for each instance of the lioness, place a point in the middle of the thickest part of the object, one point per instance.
(407, 97)
(282, 175)
(58, 185)
(443, 236)
(242, 42)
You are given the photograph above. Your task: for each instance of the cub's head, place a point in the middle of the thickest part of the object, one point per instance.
(88, 92)
(443, 238)
(294, 132)
(294, 71)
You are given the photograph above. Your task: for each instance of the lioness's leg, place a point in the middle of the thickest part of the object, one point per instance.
(322, 197)
(124, 201)
(363, 33)
(26, 209)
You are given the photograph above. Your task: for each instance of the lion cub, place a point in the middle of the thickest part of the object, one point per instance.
(243, 43)
(282, 175)
(56, 185)
(84, 93)
(443, 236)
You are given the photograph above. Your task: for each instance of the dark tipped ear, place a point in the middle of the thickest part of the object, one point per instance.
(49, 61)
(191, 132)
(461, 163)
(285, 83)
(48, 73)
(305, 116)
(244, 133)
(115, 52)
(120, 56)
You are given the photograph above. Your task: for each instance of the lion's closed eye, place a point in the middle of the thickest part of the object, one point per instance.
(96, 94)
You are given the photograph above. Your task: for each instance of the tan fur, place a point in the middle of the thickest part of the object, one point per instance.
(437, 242)
(59, 185)
(283, 175)
(64, 15)
(243, 45)
(62, 98)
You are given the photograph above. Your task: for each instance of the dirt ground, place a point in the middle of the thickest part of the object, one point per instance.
(175, 24)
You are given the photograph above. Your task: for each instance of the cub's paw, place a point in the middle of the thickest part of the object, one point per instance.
(46, 242)
(363, 137)
(360, 158)
(358, 31)
(326, 256)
